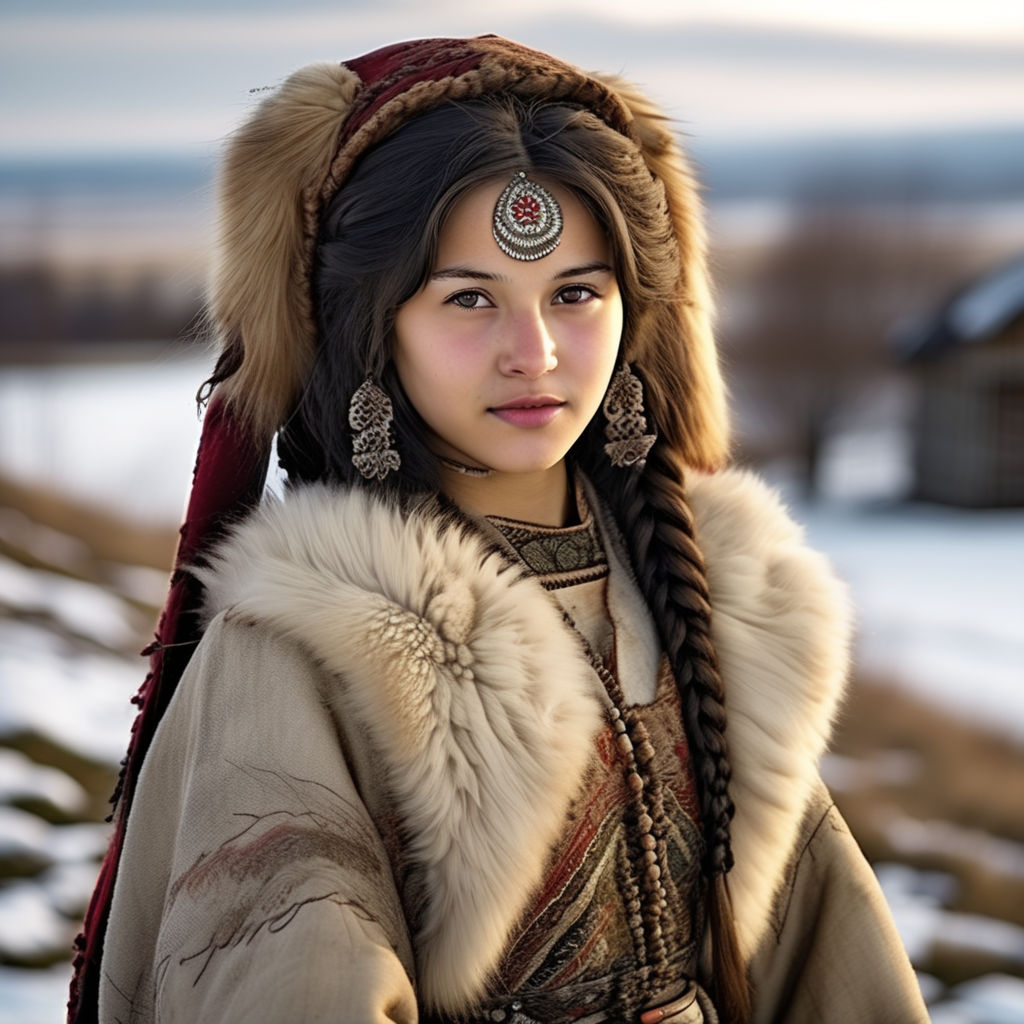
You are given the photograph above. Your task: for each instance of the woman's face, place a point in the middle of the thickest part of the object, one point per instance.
(507, 360)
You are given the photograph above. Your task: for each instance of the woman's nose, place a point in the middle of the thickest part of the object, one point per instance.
(529, 349)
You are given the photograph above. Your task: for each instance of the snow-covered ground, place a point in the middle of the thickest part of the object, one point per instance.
(117, 433)
(938, 591)
(939, 594)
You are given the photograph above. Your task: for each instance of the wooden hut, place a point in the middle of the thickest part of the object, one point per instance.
(968, 361)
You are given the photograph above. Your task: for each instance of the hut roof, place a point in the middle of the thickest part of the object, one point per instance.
(976, 313)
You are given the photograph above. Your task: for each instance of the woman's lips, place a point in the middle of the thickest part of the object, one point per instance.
(529, 412)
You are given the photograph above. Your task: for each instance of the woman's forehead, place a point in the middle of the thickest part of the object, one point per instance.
(468, 233)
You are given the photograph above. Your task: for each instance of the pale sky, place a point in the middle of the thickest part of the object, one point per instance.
(113, 76)
(985, 20)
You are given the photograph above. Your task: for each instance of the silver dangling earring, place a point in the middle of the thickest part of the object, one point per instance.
(370, 414)
(623, 407)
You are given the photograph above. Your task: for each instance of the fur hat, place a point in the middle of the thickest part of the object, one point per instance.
(291, 156)
(300, 144)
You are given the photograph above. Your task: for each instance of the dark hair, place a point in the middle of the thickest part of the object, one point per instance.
(378, 240)
(376, 248)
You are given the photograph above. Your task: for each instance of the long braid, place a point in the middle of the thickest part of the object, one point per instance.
(655, 518)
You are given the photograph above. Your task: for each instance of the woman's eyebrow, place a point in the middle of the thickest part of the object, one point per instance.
(475, 275)
(595, 267)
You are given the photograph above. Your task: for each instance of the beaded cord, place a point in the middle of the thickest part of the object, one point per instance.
(643, 864)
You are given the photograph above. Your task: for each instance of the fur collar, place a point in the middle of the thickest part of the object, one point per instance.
(482, 703)
(781, 626)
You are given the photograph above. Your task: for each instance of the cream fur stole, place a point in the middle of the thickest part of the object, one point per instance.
(483, 706)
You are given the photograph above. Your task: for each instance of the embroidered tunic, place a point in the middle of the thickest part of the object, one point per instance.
(614, 926)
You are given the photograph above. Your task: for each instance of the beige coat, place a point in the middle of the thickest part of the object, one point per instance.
(372, 680)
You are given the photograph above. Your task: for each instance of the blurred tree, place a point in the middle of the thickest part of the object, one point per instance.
(819, 305)
(42, 303)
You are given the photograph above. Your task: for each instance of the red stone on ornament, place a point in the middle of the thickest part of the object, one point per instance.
(526, 210)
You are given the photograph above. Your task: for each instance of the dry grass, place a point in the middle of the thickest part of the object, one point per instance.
(105, 537)
(96, 778)
(964, 773)
(41, 529)
(939, 794)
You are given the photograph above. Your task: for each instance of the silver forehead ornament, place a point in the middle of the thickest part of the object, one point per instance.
(527, 220)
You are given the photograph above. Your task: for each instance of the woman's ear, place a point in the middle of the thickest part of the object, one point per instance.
(685, 389)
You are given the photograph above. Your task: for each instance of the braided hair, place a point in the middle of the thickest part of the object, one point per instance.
(652, 513)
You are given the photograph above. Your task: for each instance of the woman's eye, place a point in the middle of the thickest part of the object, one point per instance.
(469, 300)
(573, 294)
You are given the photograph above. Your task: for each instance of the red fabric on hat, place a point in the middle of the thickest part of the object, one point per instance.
(388, 72)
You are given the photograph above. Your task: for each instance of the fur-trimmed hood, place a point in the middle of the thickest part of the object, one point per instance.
(483, 705)
(296, 150)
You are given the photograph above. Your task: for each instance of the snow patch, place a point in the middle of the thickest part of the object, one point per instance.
(78, 699)
(885, 768)
(21, 778)
(916, 899)
(912, 837)
(29, 923)
(994, 999)
(82, 608)
(34, 997)
(939, 597)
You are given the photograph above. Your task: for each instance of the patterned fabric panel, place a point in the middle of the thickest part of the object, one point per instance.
(576, 955)
(559, 556)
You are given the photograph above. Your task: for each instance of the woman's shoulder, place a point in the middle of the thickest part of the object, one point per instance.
(781, 617)
(737, 508)
(761, 570)
(374, 590)
(318, 538)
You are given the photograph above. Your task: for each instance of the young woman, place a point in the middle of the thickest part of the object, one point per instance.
(454, 743)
